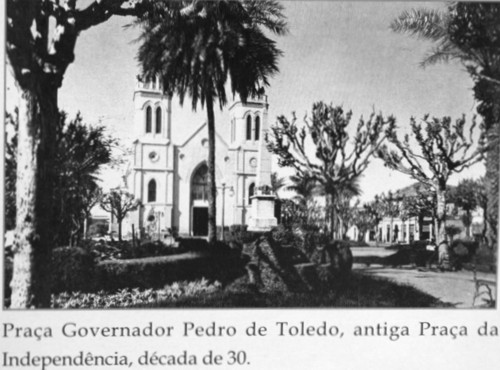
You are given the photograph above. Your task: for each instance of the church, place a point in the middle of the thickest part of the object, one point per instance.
(170, 178)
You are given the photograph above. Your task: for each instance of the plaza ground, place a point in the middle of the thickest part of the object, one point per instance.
(452, 287)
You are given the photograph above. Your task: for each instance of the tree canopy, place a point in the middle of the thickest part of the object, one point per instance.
(322, 150)
(329, 158)
(81, 151)
(119, 203)
(469, 32)
(442, 150)
(222, 43)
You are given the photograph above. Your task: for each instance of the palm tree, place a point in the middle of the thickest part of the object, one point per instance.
(277, 183)
(196, 55)
(343, 210)
(305, 187)
(468, 32)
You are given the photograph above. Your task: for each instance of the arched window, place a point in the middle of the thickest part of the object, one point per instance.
(249, 127)
(199, 185)
(158, 120)
(148, 120)
(257, 128)
(152, 191)
(251, 192)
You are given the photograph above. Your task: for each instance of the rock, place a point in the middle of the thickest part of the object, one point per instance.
(271, 267)
(308, 272)
(285, 268)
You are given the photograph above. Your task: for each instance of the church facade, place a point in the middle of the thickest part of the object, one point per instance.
(170, 178)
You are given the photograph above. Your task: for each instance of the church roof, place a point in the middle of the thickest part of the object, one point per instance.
(197, 131)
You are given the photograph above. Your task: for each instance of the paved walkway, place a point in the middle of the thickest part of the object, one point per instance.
(456, 288)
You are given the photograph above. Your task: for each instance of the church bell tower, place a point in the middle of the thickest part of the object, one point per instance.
(249, 126)
(153, 175)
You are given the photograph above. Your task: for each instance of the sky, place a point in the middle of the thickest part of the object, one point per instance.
(338, 52)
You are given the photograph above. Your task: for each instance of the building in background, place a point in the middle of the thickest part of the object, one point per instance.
(421, 227)
(170, 178)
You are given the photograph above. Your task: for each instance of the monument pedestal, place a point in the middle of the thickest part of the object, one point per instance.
(262, 213)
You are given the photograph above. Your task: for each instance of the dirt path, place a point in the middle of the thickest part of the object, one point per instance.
(456, 288)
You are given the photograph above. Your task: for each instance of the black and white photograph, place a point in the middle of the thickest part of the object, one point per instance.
(250, 154)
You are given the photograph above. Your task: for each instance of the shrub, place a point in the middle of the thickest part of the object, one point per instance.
(419, 255)
(462, 251)
(134, 297)
(416, 254)
(126, 250)
(98, 229)
(155, 272)
(104, 251)
(240, 234)
(193, 244)
(285, 235)
(152, 249)
(72, 269)
(312, 239)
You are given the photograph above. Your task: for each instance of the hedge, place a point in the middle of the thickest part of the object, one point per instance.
(75, 270)
(156, 272)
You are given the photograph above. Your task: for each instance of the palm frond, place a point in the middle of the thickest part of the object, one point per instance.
(267, 13)
(444, 52)
(428, 24)
(196, 55)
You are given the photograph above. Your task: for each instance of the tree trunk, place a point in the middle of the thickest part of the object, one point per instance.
(468, 233)
(391, 233)
(120, 230)
(32, 250)
(212, 211)
(334, 218)
(492, 173)
(440, 214)
(420, 225)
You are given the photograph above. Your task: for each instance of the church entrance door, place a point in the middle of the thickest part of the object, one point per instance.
(200, 221)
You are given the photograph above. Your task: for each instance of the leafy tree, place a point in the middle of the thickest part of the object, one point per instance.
(305, 187)
(336, 163)
(390, 206)
(196, 56)
(41, 37)
(344, 210)
(80, 151)
(119, 203)
(277, 183)
(421, 204)
(443, 149)
(469, 32)
(366, 218)
(469, 194)
(464, 196)
(305, 209)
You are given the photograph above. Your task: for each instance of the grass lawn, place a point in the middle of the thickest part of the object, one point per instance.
(360, 291)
